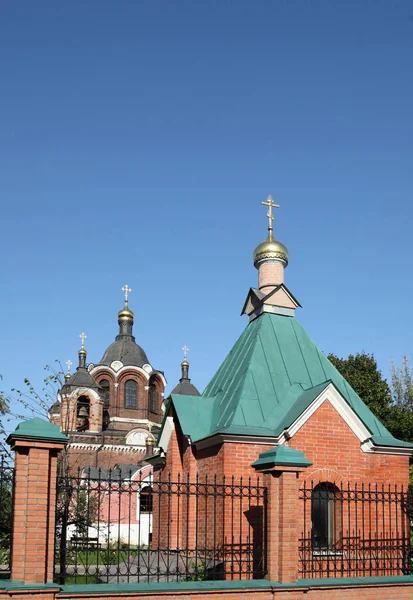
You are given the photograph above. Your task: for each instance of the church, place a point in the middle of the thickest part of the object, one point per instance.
(277, 406)
(112, 410)
(276, 412)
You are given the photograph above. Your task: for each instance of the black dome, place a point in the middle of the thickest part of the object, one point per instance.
(185, 388)
(127, 351)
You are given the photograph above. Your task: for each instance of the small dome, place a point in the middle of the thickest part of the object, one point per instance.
(125, 314)
(270, 249)
(185, 388)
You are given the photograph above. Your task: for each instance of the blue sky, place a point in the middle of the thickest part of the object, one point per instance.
(137, 142)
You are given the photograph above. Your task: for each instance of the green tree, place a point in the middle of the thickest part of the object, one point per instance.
(362, 373)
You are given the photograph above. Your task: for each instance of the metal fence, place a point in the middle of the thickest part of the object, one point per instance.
(6, 511)
(354, 531)
(115, 527)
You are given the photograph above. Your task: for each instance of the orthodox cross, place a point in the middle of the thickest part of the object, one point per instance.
(271, 204)
(127, 290)
(69, 364)
(185, 349)
(83, 336)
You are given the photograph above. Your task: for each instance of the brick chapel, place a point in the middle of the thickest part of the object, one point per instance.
(112, 411)
(277, 398)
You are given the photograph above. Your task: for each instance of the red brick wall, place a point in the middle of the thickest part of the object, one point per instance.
(328, 442)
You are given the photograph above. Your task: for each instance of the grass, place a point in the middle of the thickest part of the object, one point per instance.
(100, 557)
(78, 579)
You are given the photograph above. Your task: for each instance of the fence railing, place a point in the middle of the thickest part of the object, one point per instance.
(113, 528)
(354, 531)
(6, 514)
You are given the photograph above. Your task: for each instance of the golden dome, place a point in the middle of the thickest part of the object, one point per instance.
(184, 363)
(270, 249)
(125, 314)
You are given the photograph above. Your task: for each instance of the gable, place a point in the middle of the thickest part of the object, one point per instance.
(281, 298)
(269, 383)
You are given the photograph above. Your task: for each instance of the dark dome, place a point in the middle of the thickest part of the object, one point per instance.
(81, 378)
(127, 351)
(55, 409)
(185, 388)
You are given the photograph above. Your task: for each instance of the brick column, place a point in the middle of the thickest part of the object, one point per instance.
(37, 444)
(281, 467)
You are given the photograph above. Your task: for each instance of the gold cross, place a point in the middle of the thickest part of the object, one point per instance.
(127, 290)
(83, 336)
(271, 204)
(69, 364)
(185, 349)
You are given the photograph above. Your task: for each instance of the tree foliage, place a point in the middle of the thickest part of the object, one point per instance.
(385, 401)
(362, 373)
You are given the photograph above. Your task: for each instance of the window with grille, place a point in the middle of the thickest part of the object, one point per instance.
(323, 515)
(131, 394)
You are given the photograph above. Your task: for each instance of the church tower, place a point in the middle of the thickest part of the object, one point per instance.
(112, 410)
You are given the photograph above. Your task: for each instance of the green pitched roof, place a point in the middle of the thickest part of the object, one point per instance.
(273, 372)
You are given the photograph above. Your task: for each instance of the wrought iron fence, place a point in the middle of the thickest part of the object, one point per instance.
(354, 531)
(6, 512)
(115, 527)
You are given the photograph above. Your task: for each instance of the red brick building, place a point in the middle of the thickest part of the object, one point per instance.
(277, 400)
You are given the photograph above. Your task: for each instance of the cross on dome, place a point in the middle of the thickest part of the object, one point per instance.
(271, 204)
(127, 291)
(82, 336)
(185, 349)
(69, 364)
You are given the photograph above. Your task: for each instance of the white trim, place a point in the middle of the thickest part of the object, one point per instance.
(274, 310)
(345, 411)
(369, 447)
(219, 438)
(79, 391)
(332, 395)
(120, 371)
(329, 394)
(167, 430)
(105, 447)
(127, 420)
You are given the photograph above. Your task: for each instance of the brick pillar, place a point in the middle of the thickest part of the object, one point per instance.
(37, 444)
(284, 518)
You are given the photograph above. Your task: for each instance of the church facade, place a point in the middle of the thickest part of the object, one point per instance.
(112, 410)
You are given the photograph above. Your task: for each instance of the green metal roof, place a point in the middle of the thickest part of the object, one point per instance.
(281, 455)
(38, 429)
(273, 372)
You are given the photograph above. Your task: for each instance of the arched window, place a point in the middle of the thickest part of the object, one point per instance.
(152, 397)
(131, 394)
(146, 499)
(105, 385)
(325, 507)
(82, 413)
(105, 420)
